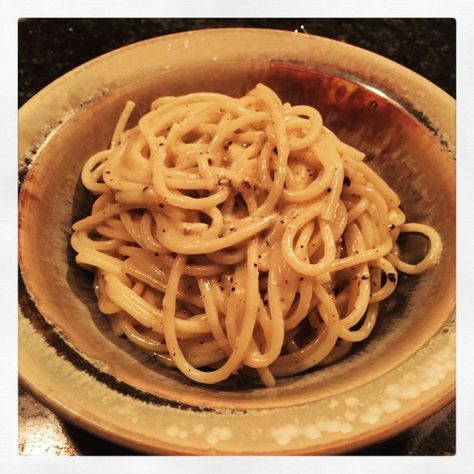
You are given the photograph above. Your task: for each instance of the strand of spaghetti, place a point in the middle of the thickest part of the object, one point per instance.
(334, 192)
(390, 196)
(179, 243)
(303, 307)
(315, 127)
(283, 149)
(431, 257)
(390, 280)
(148, 315)
(365, 330)
(259, 359)
(191, 269)
(327, 236)
(318, 348)
(180, 200)
(327, 158)
(149, 241)
(100, 216)
(80, 240)
(122, 121)
(212, 314)
(87, 175)
(169, 307)
(366, 256)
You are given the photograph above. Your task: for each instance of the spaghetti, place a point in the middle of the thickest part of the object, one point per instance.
(232, 234)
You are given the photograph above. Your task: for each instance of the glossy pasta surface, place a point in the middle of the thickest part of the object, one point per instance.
(238, 235)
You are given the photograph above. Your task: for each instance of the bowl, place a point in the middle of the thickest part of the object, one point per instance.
(68, 355)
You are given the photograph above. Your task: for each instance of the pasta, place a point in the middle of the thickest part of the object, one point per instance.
(232, 235)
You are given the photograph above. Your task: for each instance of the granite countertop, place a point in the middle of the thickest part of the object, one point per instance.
(50, 47)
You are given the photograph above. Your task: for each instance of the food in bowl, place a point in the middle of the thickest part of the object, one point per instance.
(240, 234)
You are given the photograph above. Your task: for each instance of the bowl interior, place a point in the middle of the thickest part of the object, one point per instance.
(404, 151)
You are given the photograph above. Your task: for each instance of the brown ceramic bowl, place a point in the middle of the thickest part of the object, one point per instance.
(69, 357)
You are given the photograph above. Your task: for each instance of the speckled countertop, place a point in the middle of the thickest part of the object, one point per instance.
(50, 47)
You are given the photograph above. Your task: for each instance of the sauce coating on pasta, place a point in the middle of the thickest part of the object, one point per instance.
(240, 232)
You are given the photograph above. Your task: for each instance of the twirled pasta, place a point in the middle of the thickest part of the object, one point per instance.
(232, 233)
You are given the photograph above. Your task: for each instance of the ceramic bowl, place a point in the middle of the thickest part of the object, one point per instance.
(71, 360)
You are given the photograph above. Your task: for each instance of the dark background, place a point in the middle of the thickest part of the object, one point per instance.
(50, 47)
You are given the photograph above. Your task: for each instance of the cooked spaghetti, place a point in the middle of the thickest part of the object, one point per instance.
(232, 234)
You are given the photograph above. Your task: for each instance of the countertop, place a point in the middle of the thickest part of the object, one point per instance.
(50, 47)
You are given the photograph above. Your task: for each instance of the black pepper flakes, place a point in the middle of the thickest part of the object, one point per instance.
(392, 277)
